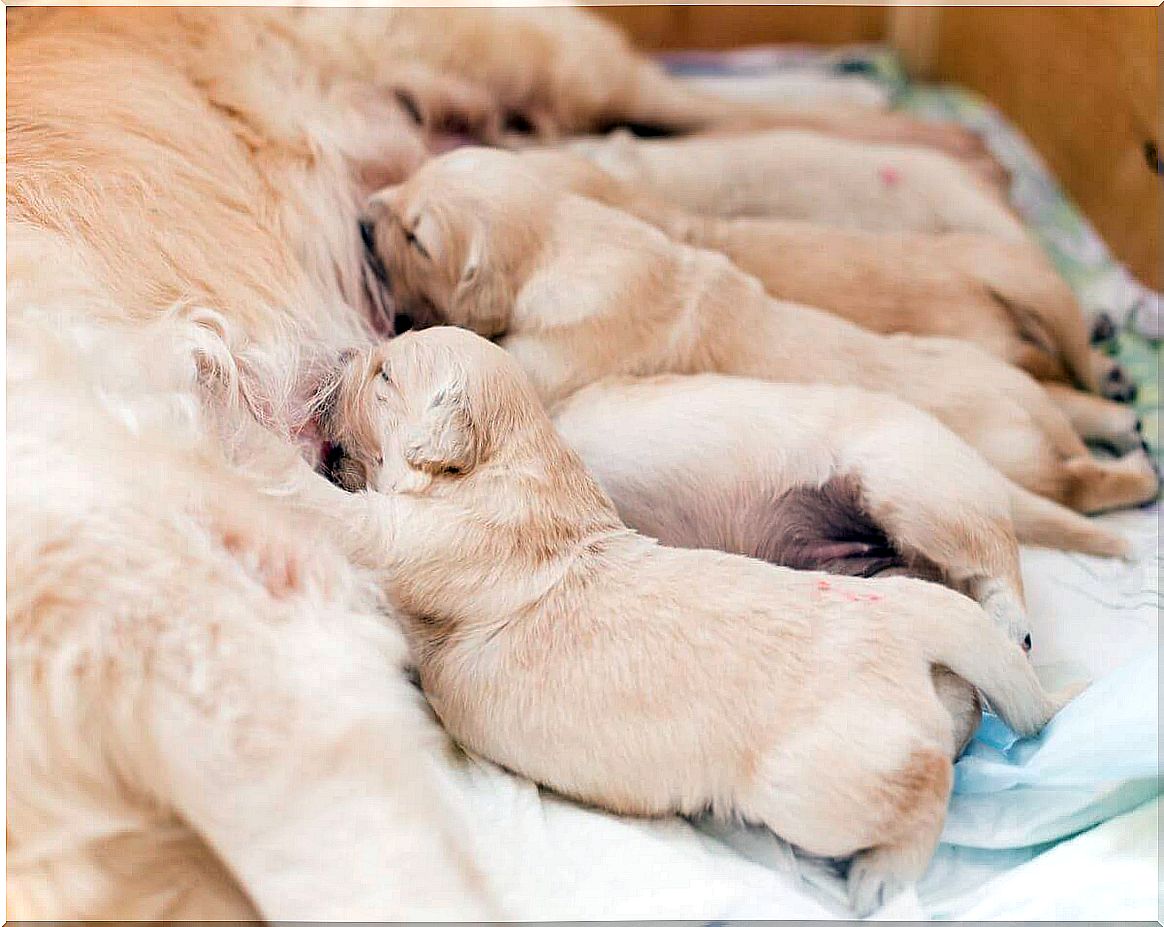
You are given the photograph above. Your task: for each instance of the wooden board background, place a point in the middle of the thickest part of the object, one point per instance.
(1081, 82)
(726, 26)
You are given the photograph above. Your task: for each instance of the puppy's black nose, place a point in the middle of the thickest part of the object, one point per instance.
(368, 232)
(1027, 644)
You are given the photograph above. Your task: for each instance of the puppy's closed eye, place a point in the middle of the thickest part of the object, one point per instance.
(414, 242)
(423, 235)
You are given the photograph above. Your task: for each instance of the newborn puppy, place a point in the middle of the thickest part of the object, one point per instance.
(792, 174)
(577, 291)
(815, 477)
(646, 679)
(1003, 295)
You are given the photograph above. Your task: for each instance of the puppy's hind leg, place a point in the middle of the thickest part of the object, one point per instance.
(961, 701)
(1100, 421)
(878, 873)
(945, 506)
(1094, 485)
(881, 794)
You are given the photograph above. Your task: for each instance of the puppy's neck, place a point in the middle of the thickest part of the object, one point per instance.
(486, 549)
(537, 490)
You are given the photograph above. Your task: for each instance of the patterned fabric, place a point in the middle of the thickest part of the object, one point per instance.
(873, 75)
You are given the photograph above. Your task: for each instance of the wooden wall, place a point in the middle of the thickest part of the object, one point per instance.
(725, 26)
(1081, 82)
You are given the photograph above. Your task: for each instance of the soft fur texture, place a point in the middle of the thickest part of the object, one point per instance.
(191, 694)
(797, 174)
(815, 477)
(646, 679)
(577, 291)
(1000, 294)
(201, 699)
(205, 719)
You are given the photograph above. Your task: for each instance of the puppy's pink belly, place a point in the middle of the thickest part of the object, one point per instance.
(444, 142)
(840, 549)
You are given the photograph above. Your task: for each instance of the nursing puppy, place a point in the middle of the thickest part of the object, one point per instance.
(1002, 295)
(645, 679)
(815, 477)
(540, 73)
(577, 291)
(796, 174)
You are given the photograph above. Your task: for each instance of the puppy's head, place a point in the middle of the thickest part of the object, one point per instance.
(451, 242)
(423, 409)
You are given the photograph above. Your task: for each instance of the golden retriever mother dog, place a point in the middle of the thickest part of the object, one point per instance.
(647, 679)
(578, 291)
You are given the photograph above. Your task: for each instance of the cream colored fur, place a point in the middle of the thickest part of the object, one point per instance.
(796, 174)
(206, 720)
(578, 291)
(645, 679)
(695, 461)
(1002, 295)
(207, 716)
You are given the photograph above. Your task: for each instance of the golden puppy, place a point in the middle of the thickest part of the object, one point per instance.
(1002, 295)
(578, 291)
(815, 477)
(819, 477)
(796, 174)
(647, 679)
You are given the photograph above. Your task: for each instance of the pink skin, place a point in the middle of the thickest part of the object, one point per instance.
(824, 586)
(890, 176)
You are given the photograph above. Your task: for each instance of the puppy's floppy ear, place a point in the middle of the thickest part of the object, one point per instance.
(427, 235)
(445, 439)
(386, 197)
(483, 297)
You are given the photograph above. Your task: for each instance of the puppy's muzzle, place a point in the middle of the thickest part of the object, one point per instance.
(337, 467)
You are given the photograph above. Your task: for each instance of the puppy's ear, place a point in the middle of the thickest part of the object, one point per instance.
(483, 297)
(427, 237)
(445, 439)
(386, 197)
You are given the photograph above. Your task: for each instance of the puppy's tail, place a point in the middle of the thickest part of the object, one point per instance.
(961, 638)
(1045, 523)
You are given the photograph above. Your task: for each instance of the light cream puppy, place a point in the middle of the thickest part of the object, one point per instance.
(646, 679)
(1002, 295)
(795, 174)
(578, 291)
(815, 477)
